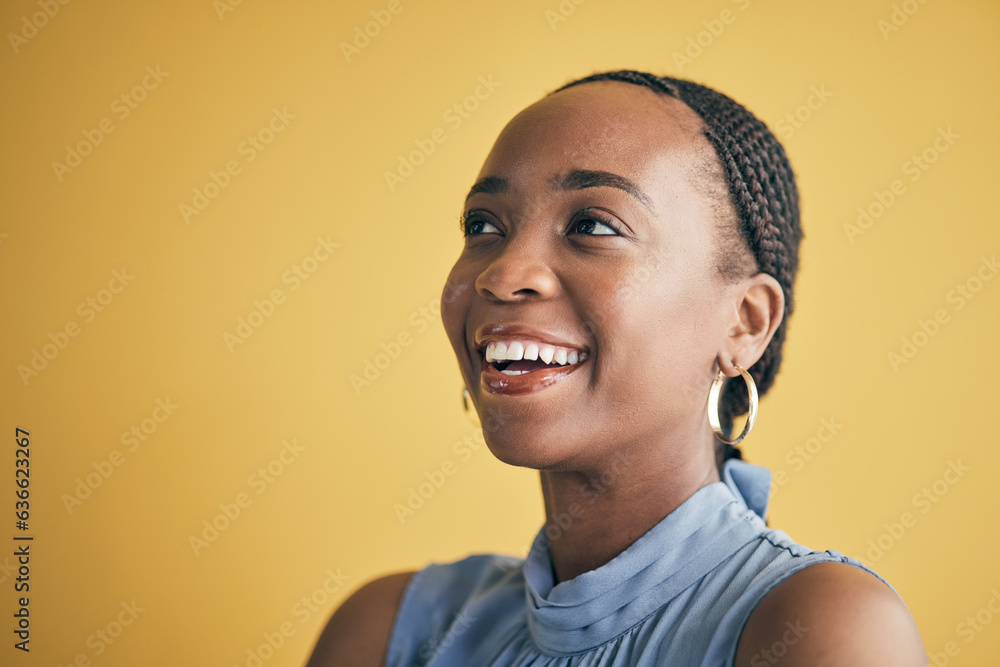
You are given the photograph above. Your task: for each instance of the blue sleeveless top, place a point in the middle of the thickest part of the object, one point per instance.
(680, 595)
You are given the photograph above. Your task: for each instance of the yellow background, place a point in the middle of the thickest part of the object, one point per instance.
(323, 175)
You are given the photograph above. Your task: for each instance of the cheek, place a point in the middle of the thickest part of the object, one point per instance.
(455, 299)
(659, 336)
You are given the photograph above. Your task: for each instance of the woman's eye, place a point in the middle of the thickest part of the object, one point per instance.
(593, 227)
(479, 226)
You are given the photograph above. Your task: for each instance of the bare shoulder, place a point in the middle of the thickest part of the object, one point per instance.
(831, 614)
(357, 635)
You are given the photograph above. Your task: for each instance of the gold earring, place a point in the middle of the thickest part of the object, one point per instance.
(470, 410)
(713, 406)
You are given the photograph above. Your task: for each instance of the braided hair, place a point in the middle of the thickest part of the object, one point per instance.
(761, 191)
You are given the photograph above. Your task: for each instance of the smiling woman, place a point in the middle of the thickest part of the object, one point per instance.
(631, 243)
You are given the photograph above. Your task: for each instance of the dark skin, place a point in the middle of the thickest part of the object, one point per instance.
(626, 270)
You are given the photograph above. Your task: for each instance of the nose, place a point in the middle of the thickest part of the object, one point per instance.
(518, 273)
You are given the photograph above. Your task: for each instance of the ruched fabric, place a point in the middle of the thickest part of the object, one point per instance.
(680, 595)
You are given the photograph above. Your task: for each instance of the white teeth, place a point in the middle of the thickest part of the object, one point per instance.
(546, 352)
(507, 372)
(515, 350)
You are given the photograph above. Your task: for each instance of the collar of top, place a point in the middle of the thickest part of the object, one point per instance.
(597, 606)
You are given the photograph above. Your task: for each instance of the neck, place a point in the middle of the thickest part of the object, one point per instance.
(592, 517)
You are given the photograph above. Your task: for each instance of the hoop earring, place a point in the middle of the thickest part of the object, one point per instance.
(713, 406)
(470, 409)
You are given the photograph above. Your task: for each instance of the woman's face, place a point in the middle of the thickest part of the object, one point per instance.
(589, 271)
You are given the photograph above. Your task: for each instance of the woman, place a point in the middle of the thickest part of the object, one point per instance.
(631, 242)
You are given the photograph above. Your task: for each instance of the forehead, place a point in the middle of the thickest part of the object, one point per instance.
(610, 126)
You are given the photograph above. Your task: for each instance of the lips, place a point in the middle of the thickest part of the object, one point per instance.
(519, 360)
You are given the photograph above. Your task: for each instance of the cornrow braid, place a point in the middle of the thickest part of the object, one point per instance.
(763, 193)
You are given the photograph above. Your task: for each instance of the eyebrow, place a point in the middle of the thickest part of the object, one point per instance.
(491, 185)
(578, 179)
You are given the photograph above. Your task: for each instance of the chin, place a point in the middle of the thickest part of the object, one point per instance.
(536, 448)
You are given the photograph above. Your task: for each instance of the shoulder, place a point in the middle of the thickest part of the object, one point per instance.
(831, 613)
(360, 631)
(357, 635)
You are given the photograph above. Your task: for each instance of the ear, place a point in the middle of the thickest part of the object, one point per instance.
(758, 304)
